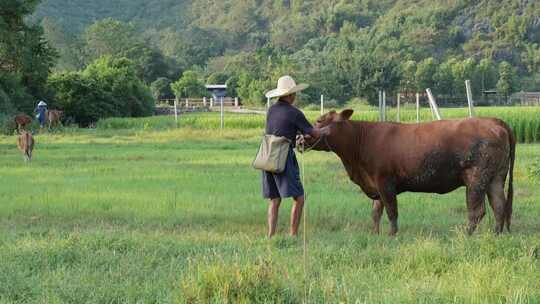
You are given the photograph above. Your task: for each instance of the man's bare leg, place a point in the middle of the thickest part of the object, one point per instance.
(296, 214)
(273, 210)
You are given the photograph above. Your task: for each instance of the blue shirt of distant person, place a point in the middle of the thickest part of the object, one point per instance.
(41, 111)
(284, 119)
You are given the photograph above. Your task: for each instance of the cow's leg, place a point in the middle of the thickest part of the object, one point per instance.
(390, 203)
(389, 200)
(476, 196)
(376, 214)
(477, 180)
(497, 201)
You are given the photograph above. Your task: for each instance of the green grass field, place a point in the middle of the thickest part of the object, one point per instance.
(524, 120)
(176, 216)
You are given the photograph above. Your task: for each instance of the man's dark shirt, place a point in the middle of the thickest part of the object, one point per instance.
(283, 119)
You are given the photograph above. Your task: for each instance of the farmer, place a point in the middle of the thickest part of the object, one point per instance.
(283, 119)
(41, 111)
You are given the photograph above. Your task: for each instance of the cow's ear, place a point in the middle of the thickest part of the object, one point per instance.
(346, 114)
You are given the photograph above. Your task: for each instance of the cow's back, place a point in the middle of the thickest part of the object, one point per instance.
(22, 119)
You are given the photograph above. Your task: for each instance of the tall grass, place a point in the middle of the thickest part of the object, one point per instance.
(176, 216)
(525, 121)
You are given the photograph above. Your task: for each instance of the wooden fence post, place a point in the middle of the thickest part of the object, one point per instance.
(470, 101)
(384, 104)
(222, 110)
(380, 106)
(176, 110)
(236, 102)
(204, 101)
(433, 104)
(322, 104)
(417, 107)
(398, 107)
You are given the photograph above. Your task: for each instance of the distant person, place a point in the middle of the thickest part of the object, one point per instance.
(284, 119)
(41, 111)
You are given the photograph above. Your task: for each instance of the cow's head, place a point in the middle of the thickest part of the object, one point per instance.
(327, 124)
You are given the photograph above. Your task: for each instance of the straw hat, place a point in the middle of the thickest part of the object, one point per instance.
(286, 86)
(42, 103)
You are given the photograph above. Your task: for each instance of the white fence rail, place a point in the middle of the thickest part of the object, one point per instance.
(193, 103)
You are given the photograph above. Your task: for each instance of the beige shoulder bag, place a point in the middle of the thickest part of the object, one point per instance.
(272, 155)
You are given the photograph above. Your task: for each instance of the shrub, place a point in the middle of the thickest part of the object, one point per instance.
(7, 124)
(13, 95)
(189, 85)
(261, 282)
(358, 103)
(161, 88)
(107, 88)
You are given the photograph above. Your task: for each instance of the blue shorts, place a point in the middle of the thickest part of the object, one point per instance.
(41, 118)
(285, 184)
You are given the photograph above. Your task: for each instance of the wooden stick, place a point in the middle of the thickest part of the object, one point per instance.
(398, 108)
(433, 104)
(417, 107)
(469, 98)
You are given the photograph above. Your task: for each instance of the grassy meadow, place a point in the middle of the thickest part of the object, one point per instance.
(138, 211)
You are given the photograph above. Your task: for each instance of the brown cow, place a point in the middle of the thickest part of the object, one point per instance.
(25, 142)
(54, 116)
(22, 120)
(386, 159)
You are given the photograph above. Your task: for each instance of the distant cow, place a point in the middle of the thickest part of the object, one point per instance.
(25, 143)
(22, 120)
(54, 116)
(386, 159)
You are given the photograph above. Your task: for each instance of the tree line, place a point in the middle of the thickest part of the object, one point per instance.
(345, 49)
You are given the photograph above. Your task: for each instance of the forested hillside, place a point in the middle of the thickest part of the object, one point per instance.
(345, 49)
(340, 47)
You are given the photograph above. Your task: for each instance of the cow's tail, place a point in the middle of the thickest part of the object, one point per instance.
(510, 194)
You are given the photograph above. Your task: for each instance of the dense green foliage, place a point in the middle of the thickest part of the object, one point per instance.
(161, 88)
(25, 57)
(108, 87)
(189, 86)
(343, 48)
(132, 216)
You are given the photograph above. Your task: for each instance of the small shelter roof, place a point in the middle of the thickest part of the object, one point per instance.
(216, 86)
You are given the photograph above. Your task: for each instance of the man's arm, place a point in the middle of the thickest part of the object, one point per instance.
(305, 127)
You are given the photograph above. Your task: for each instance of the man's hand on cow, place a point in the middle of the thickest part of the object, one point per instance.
(301, 139)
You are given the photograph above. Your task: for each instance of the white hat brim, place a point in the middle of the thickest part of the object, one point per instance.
(284, 92)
